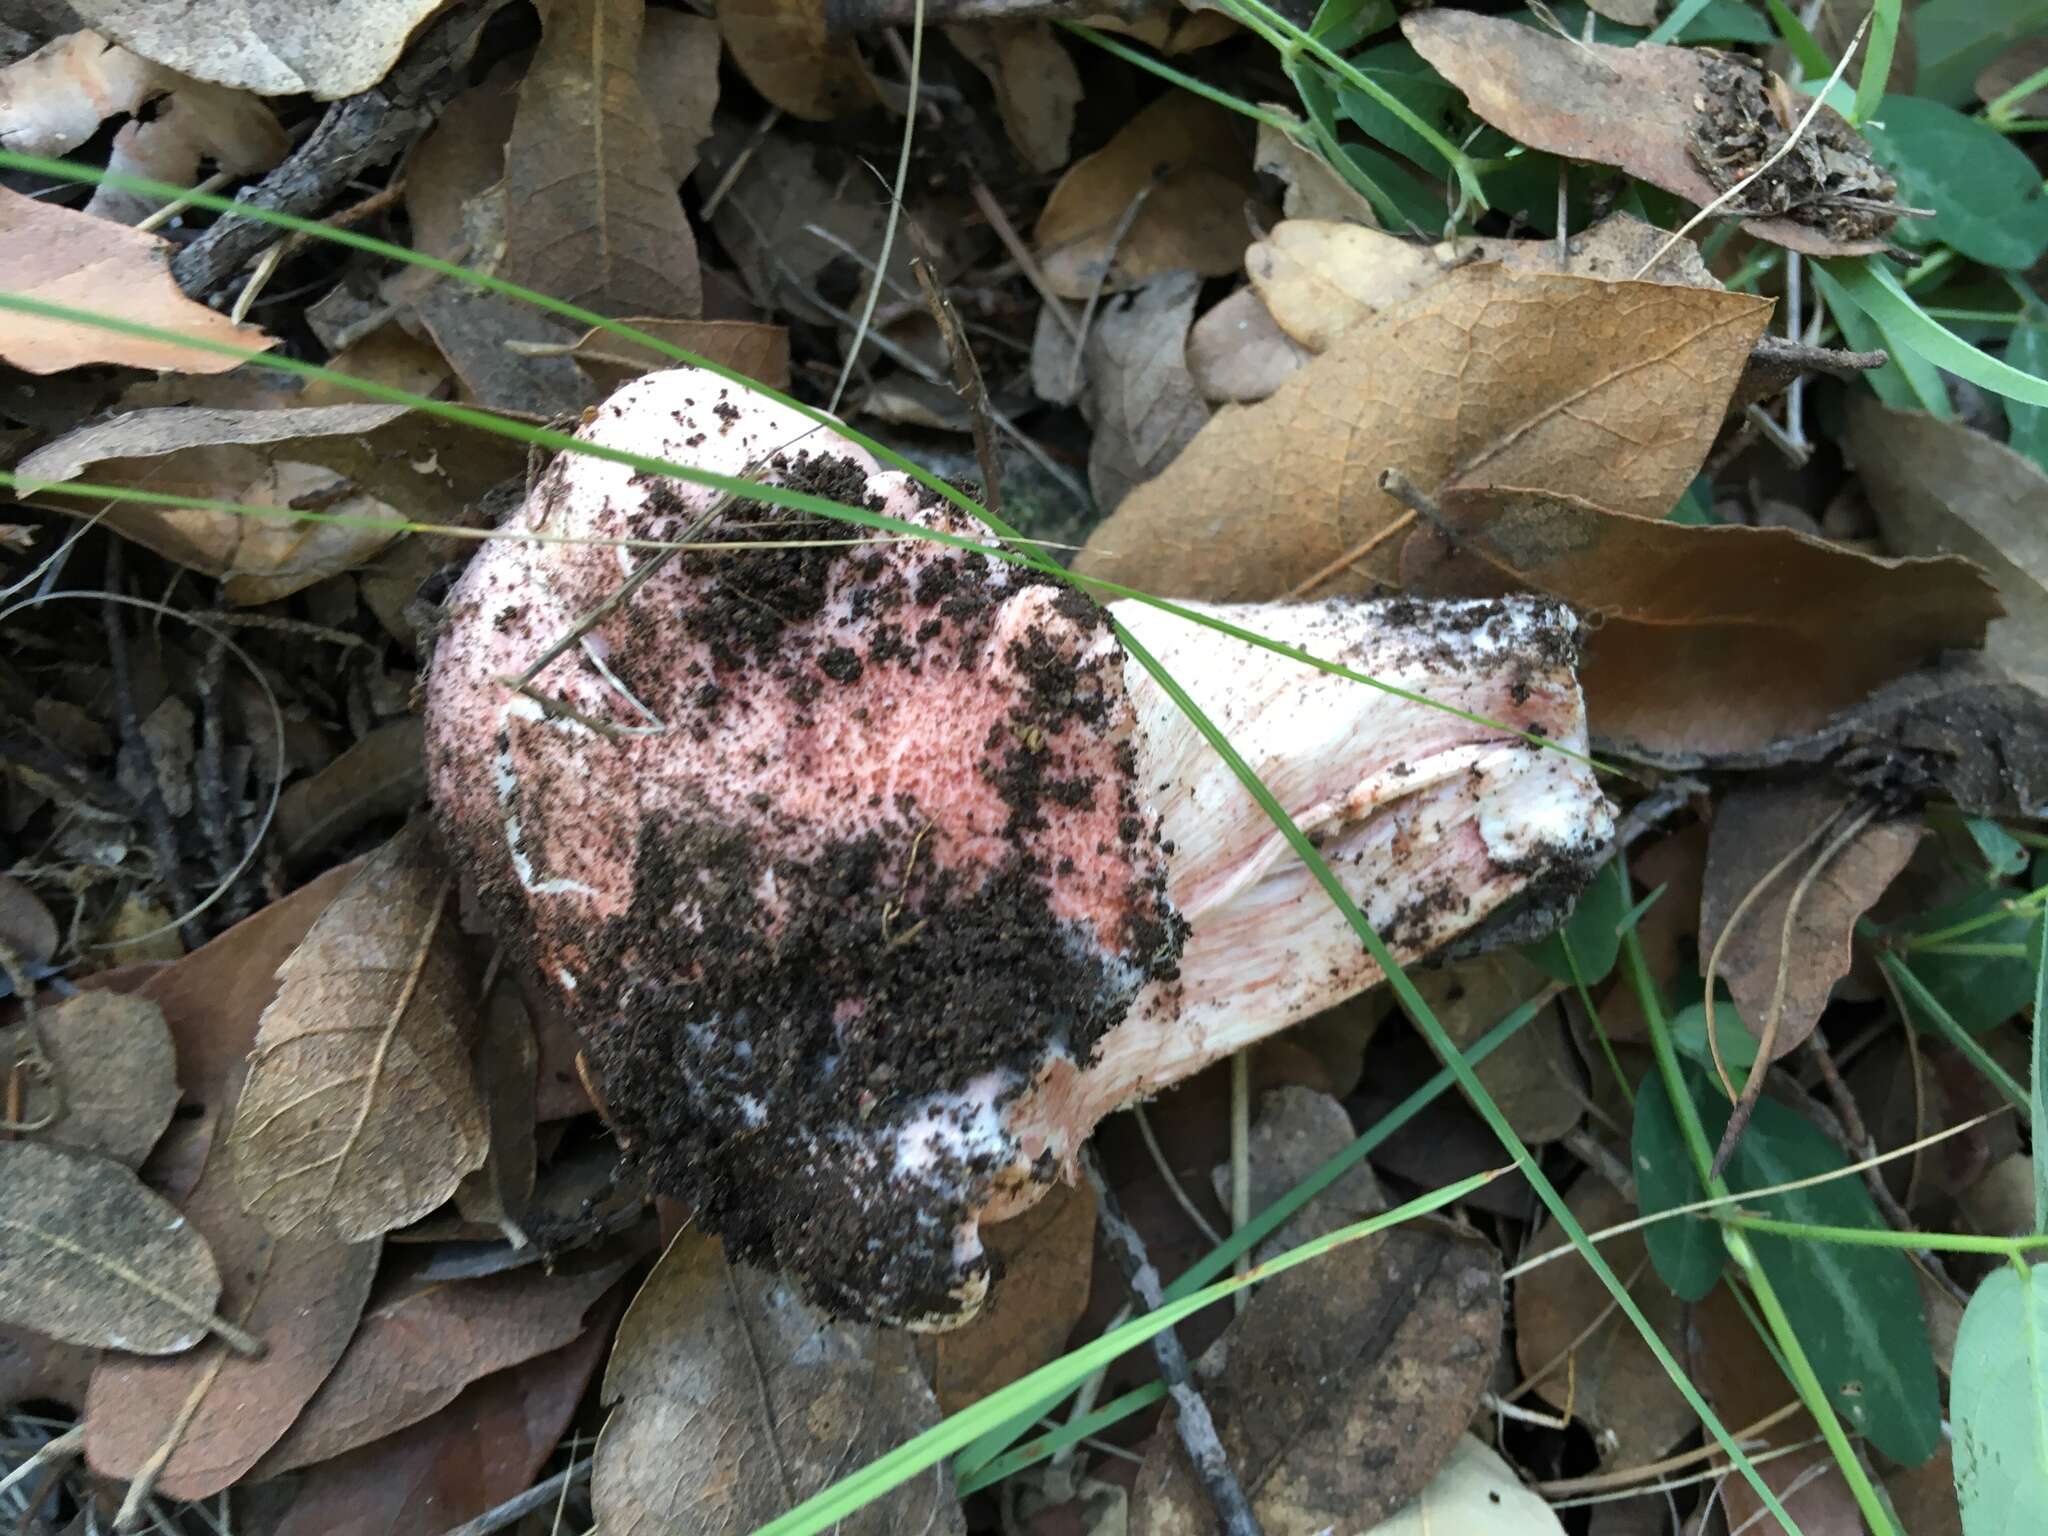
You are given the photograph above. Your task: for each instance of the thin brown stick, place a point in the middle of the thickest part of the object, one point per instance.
(1625, 1477)
(967, 381)
(1353, 555)
(1020, 253)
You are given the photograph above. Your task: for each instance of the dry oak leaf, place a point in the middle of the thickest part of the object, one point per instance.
(1575, 1349)
(1642, 108)
(1515, 378)
(413, 1354)
(361, 1111)
(1036, 83)
(786, 53)
(592, 215)
(733, 1401)
(113, 1084)
(1757, 825)
(272, 47)
(88, 1255)
(208, 1416)
(1712, 639)
(60, 256)
(1186, 162)
(381, 463)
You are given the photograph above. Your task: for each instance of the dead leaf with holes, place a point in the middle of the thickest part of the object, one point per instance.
(56, 99)
(1516, 377)
(89, 1256)
(361, 1111)
(1036, 83)
(1576, 1351)
(787, 54)
(56, 255)
(1141, 399)
(1767, 966)
(592, 215)
(1692, 121)
(1939, 487)
(1336, 1394)
(1713, 639)
(1169, 191)
(733, 1400)
(272, 47)
(112, 1083)
(377, 463)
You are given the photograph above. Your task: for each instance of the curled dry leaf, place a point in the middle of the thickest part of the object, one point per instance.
(89, 1256)
(361, 1112)
(597, 218)
(733, 1401)
(1691, 121)
(208, 1416)
(1714, 639)
(113, 1080)
(1514, 378)
(1036, 84)
(272, 47)
(1185, 162)
(1337, 1393)
(26, 927)
(55, 100)
(1939, 487)
(507, 1057)
(413, 1354)
(1048, 1262)
(784, 50)
(378, 462)
(1141, 398)
(1756, 825)
(60, 256)
(1576, 1350)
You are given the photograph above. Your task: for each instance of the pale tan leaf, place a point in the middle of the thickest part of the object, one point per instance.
(113, 1081)
(1141, 398)
(679, 77)
(90, 1256)
(1236, 352)
(272, 47)
(733, 1400)
(784, 50)
(1314, 190)
(361, 1111)
(1475, 1494)
(592, 214)
(59, 256)
(1188, 161)
(1036, 84)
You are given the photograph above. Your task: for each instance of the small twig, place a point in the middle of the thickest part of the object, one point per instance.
(755, 140)
(967, 382)
(1020, 253)
(1624, 1477)
(519, 1506)
(1353, 555)
(1196, 1427)
(63, 1448)
(1116, 241)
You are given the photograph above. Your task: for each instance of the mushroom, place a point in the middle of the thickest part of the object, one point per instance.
(874, 872)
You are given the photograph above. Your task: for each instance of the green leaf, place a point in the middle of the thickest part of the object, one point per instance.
(2028, 424)
(1344, 24)
(1400, 71)
(1738, 1045)
(1908, 382)
(2003, 853)
(1998, 1397)
(1957, 38)
(1594, 929)
(1812, 58)
(1686, 1251)
(1856, 1310)
(1985, 192)
(1410, 201)
(1712, 21)
(1879, 295)
(2037, 1097)
(1877, 61)
(1979, 991)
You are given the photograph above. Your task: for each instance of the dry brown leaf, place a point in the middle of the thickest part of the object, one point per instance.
(211, 1415)
(1036, 84)
(507, 1058)
(1313, 189)
(1755, 826)
(484, 336)
(381, 775)
(458, 160)
(378, 462)
(1579, 1350)
(1924, 1497)
(592, 216)
(59, 256)
(114, 1075)
(1047, 1259)
(1187, 159)
(89, 1256)
(761, 352)
(272, 47)
(1531, 1077)
(55, 100)
(1639, 108)
(679, 78)
(1715, 639)
(415, 1352)
(1141, 398)
(786, 53)
(361, 1112)
(1336, 1395)
(1812, 1490)
(1237, 353)
(32, 1366)
(1520, 379)
(26, 926)
(733, 1401)
(1941, 488)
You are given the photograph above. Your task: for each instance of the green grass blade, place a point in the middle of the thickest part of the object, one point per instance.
(1879, 294)
(1916, 990)
(1807, 51)
(1877, 61)
(1048, 1445)
(1680, 18)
